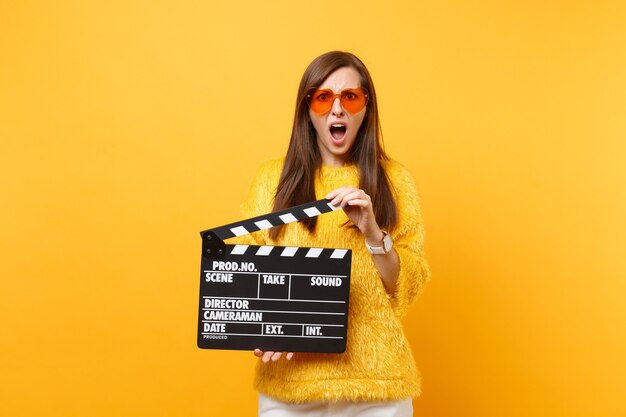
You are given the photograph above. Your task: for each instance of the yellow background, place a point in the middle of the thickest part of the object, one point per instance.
(128, 127)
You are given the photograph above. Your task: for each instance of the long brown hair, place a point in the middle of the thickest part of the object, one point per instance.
(297, 180)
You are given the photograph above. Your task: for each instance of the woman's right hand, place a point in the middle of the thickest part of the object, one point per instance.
(269, 355)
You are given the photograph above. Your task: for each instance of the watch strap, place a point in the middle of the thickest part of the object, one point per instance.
(384, 248)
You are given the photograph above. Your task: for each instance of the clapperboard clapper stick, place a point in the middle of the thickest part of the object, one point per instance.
(277, 298)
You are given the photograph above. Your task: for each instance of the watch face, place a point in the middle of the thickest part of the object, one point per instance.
(387, 243)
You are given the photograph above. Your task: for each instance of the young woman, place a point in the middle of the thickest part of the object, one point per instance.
(336, 153)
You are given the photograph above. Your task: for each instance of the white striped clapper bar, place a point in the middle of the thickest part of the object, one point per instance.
(278, 298)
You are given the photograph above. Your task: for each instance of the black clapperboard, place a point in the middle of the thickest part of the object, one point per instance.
(275, 298)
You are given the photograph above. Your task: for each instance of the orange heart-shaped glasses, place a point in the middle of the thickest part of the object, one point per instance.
(351, 99)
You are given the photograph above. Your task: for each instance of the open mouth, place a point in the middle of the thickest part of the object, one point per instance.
(338, 131)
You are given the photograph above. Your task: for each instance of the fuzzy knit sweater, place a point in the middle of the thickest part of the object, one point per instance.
(377, 364)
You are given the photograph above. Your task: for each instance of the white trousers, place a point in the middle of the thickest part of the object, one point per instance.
(270, 407)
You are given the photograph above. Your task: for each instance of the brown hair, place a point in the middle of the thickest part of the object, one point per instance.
(296, 184)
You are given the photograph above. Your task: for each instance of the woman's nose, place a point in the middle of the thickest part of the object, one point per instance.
(337, 109)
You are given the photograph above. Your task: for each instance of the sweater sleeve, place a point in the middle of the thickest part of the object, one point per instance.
(260, 200)
(408, 241)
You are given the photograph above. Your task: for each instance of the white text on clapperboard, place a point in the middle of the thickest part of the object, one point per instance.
(219, 311)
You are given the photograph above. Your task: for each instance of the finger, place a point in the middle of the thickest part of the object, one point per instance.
(340, 198)
(267, 356)
(354, 195)
(258, 353)
(334, 193)
(276, 356)
(331, 194)
(289, 356)
(360, 203)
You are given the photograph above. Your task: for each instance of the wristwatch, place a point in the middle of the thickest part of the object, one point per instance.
(381, 250)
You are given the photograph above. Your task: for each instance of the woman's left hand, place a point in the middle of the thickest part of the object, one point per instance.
(357, 205)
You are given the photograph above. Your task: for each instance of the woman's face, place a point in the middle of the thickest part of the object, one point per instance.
(337, 129)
